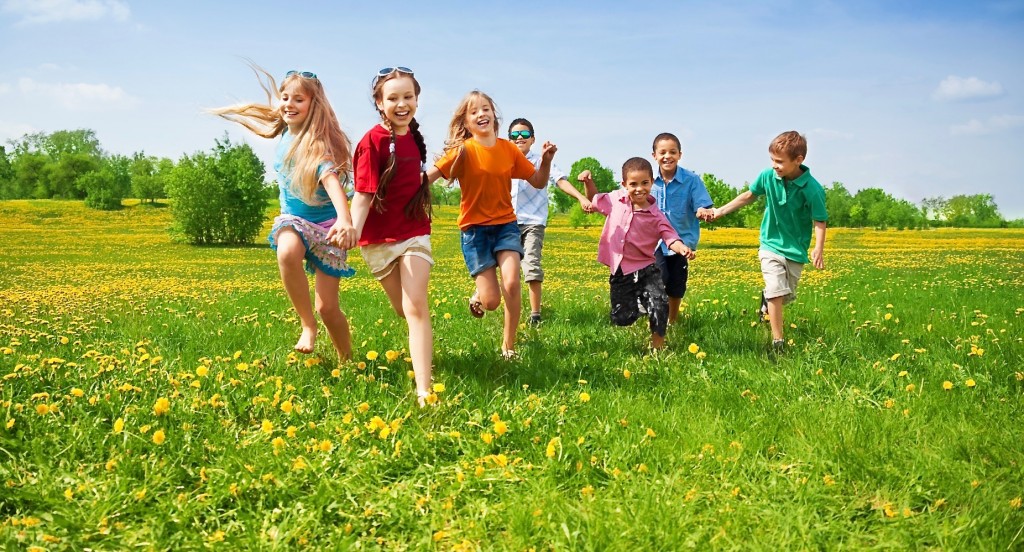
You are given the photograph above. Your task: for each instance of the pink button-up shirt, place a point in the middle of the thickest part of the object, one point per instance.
(630, 236)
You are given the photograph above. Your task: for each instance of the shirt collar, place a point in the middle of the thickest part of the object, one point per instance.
(675, 178)
(802, 180)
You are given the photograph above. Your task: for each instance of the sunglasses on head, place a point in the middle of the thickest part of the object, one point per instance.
(303, 74)
(517, 134)
(385, 71)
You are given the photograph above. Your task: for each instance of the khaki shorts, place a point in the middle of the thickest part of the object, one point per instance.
(532, 238)
(781, 275)
(381, 258)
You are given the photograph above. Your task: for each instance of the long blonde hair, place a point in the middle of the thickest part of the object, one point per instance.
(457, 131)
(320, 139)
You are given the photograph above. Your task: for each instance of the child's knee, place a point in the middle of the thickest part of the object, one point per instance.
(328, 310)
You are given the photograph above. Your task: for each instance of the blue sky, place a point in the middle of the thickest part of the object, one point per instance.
(918, 98)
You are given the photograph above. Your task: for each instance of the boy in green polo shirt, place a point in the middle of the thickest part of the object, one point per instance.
(794, 203)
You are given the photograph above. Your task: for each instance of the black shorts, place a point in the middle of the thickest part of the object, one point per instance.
(675, 271)
(630, 291)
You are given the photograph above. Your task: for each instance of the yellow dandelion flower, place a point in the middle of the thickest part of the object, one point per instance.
(267, 426)
(1015, 503)
(500, 427)
(159, 437)
(479, 471)
(584, 396)
(42, 409)
(290, 432)
(889, 403)
(202, 371)
(278, 442)
(626, 373)
(111, 464)
(587, 491)
(552, 447)
(903, 373)
(947, 385)
(363, 407)
(161, 406)
(286, 407)
(888, 316)
(911, 387)
(118, 425)
(828, 480)
(438, 388)
(701, 355)
(439, 535)
(391, 355)
(9, 424)
(486, 437)
(76, 392)
(970, 383)
(895, 356)
(326, 446)
(299, 464)
(372, 355)
(651, 433)
(336, 373)
(693, 348)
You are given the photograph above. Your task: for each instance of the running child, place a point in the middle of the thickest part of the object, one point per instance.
(631, 232)
(391, 211)
(485, 166)
(312, 164)
(531, 206)
(794, 204)
(682, 198)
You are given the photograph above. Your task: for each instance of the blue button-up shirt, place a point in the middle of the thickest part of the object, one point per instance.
(679, 200)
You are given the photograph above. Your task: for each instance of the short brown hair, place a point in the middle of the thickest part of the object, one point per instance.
(790, 143)
(634, 164)
(665, 136)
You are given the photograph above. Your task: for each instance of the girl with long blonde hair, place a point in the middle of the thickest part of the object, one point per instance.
(312, 162)
(485, 165)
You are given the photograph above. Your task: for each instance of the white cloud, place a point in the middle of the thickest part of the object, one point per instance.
(13, 131)
(995, 124)
(954, 88)
(49, 11)
(4, 88)
(80, 95)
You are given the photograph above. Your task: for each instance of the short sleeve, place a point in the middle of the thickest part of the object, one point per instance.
(757, 187)
(522, 168)
(602, 204)
(367, 167)
(557, 174)
(700, 195)
(445, 163)
(816, 197)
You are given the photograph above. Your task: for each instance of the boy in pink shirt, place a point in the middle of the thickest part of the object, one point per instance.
(630, 235)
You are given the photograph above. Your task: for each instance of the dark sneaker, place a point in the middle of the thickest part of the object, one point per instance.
(778, 346)
(534, 318)
(764, 308)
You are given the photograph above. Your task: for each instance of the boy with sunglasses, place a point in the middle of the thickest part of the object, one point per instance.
(531, 206)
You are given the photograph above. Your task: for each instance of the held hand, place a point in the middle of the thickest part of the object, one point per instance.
(705, 214)
(818, 258)
(586, 205)
(548, 151)
(343, 234)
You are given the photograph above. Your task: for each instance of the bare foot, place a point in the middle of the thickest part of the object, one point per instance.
(306, 341)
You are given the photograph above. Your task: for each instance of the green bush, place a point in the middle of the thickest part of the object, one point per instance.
(102, 188)
(218, 197)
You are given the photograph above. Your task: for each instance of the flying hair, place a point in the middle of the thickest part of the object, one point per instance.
(320, 140)
(457, 131)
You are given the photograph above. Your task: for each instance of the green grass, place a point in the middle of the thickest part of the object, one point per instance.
(824, 447)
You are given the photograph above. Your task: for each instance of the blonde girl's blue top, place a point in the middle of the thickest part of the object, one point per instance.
(292, 204)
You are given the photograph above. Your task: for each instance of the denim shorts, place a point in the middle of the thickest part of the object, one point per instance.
(481, 244)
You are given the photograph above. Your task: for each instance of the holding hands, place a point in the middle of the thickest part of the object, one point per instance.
(343, 234)
(708, 214)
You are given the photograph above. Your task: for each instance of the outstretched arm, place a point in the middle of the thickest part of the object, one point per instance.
(543, 173)
(681, 248)
(742, 200)
(568, 188)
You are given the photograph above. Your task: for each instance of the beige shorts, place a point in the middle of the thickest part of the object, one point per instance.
(381, 258)
(532, 238)
(781, 275)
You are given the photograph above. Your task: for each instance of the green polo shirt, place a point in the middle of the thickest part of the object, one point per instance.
(790, 208)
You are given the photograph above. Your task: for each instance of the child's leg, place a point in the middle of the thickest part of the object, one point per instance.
(511, 290)
(488, 292)
(406, 287)
(330, 312)
(674, 274)
(533, 246)
(535, 292)
(652, 294)
(290, 254)
(775, 306)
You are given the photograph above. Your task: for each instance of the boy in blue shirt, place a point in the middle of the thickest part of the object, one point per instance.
(794, 203)
(682, 198)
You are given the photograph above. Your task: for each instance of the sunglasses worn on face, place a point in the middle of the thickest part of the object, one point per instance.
(303, 74)
(517, 134)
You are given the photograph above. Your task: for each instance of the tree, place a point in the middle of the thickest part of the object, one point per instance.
(721, 193)
(148, 175)
(604, 179)
(934, 208)
(30, 176)
(218, 197)
(6, 175)
(838, 202)
(102, 190)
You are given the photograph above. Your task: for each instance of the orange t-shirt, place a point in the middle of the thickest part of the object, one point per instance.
(486, 181)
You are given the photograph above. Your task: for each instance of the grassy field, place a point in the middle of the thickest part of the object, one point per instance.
(149, 399)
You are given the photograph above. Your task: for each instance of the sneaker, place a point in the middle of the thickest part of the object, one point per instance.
(534, 318)
(778, 345)
(764, 308)
(509, 355)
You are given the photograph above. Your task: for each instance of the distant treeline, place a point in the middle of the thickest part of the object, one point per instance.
(71, 164)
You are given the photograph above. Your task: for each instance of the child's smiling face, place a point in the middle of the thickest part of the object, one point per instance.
(667, 154)
(480, 117)
(638, 187)
(524, 144)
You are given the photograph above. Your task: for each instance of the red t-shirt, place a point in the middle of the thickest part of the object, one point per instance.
(368, 161)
